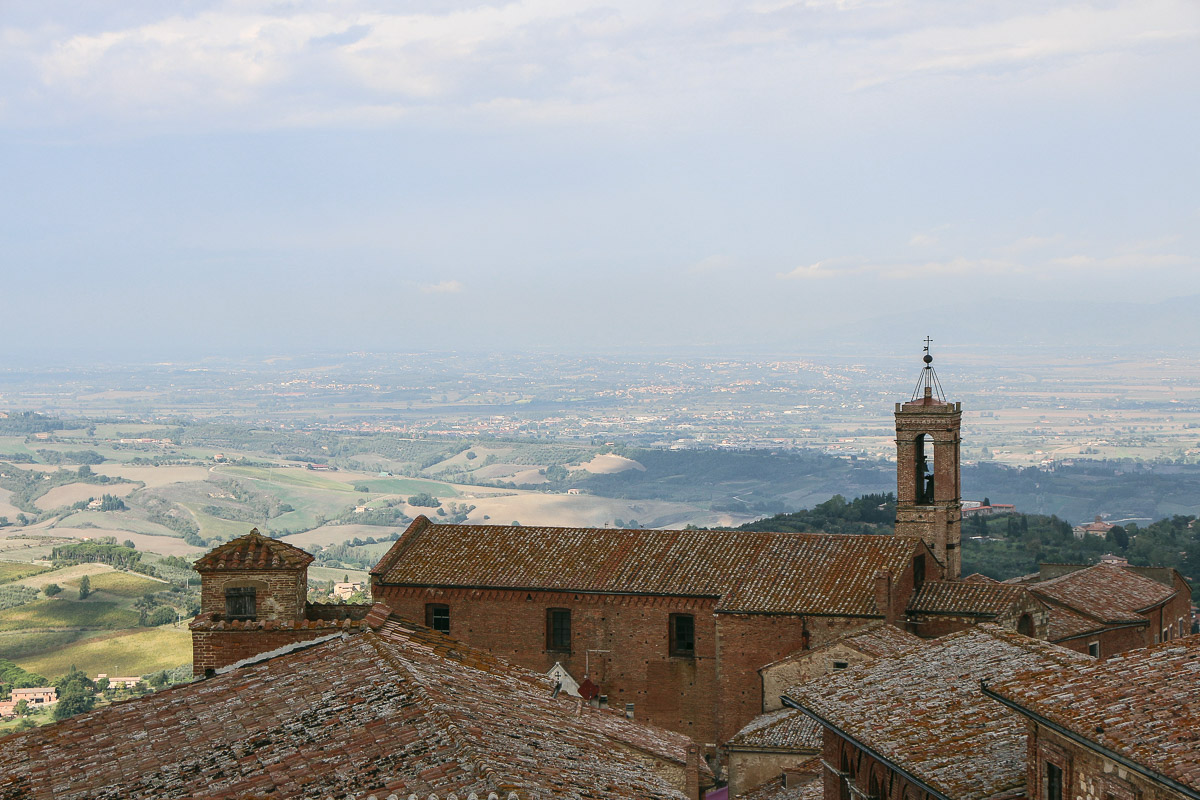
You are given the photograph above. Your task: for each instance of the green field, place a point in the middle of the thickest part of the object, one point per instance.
(16, 645)
(13, 571)
(125, 584)
(136, 652)
(60, 613)
(408, 486)
(306, 479)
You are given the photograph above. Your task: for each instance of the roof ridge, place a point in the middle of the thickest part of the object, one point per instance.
(416, 527)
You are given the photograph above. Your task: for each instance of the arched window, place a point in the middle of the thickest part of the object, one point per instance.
(1025, 625)
(923, 469)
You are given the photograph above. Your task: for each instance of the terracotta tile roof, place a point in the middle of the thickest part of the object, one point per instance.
(879, 640)
(785, 729)
(1143, 705)
(967, 598)
(979, 577)
(1108, 593)
(791, 573)
(254, 551)
(1067, 624)
(924, 710)
(401, 710)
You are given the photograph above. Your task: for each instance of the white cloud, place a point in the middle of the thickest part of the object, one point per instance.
(445, 287)
(819, 270)
(257, 62)
(922, 240)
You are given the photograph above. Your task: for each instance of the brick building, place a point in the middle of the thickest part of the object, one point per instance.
(1105, 609)
(918, 727)
(783, 740)
(253, 599)
(675, 622)
(1124, 729)
(942, 607)
(394, 709)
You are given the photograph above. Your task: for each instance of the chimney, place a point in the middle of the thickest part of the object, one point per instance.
(883, 594)
(692, 772)
(629, 711)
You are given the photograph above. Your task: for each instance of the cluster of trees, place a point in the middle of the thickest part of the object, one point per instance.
(14, 677)
(13, 596)
(70, 457)
(870, 513)
(455, 513)
(23, 423)
(76, 694)
(108, 502)
(424, 500)
(153, 612)
(115, 555)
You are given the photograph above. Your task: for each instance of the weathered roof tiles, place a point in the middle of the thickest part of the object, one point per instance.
(400, 710)
(254, 551)
(1143, 704)
(924, 710)
(790, 573)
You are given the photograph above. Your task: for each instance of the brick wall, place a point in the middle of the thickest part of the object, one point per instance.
(861, 769)
(628, 637)
(280, 593)
(1112, 640)
(213, 649)
(1088, 775)
(747, 642)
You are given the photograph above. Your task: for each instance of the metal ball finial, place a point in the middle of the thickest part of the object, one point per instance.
(928, 359)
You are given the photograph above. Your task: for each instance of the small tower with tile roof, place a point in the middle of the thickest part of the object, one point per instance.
(928, 475)
(254, 578)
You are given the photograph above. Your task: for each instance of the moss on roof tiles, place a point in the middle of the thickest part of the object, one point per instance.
(750, 571)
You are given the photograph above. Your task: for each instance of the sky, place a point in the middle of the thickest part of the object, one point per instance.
(198, 178)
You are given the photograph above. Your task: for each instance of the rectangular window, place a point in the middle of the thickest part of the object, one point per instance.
(437, 616)
(683, 635)
(558, 629)
(1054, 782)
(841, 664)
(240, 602)
(1094, 649)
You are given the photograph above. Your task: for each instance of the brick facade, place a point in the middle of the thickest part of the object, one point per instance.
(1086, 773)
(620, 642)
(279, 595)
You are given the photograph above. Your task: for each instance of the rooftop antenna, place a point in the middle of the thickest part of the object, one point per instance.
(928, 384)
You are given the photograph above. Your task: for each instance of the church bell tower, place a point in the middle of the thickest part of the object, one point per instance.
(928, 476)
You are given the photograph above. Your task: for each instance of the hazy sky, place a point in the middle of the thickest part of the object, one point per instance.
(189, 177)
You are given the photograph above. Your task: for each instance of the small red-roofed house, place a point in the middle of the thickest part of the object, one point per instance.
(1123, 729)
(942, 607)
(1107, 609)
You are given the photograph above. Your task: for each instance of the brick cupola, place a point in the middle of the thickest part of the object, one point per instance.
(254, 577)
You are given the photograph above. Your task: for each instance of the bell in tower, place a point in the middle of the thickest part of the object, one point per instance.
(928, 478)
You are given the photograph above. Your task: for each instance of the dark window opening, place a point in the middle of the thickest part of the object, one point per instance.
(1025, 625)
(840, 664)
(437, 616)
(1054, 782)
(1094, 649)
(240, 602)
(923, 470)
(683, 635)
(558, 629)
(918, 572)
